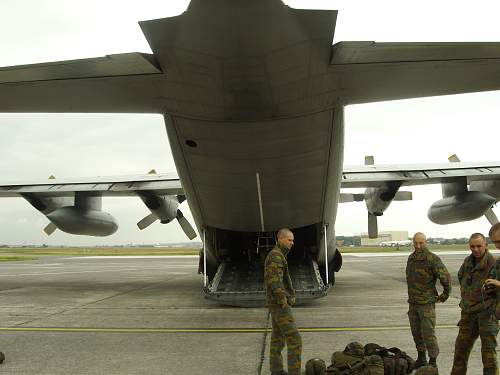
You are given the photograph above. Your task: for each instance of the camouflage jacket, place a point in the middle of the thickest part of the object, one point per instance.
(495, 274)
(277, 282)
(422, 271)
(471, 277)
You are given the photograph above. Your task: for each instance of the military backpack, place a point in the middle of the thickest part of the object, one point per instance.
(372, 359)
(396, 362)
(350, 361)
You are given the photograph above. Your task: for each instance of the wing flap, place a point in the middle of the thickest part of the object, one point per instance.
(376, 175)
(112, 186)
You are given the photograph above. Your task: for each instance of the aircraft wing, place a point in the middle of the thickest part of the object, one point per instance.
(161, 184)
(417, 174)
(169, 184)
(370, 72)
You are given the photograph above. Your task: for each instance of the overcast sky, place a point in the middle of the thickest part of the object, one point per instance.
(35, 146)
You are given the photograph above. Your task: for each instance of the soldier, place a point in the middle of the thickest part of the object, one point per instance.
(422, 271)
(495, 238)
(477, 316)
(280, 297)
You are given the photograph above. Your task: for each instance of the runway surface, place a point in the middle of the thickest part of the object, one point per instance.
(147, 315)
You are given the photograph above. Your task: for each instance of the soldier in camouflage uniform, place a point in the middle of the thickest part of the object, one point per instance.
(494, 279)
(422, 271)
(280, 297)
(477, 317)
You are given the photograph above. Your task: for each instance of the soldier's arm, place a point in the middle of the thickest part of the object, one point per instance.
(494, 277)
(444, 279)
(275, 278)
(460, 273)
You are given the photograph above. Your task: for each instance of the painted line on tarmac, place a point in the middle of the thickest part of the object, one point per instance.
(112, 257)
(95, 271)
(205, 330)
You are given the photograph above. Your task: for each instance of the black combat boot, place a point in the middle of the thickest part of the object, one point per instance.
(432, 362)
(282, 372)
(421, 360)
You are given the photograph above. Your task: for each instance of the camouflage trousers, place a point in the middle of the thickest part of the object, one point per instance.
(285, 330)
(471, 326)
(423, 325)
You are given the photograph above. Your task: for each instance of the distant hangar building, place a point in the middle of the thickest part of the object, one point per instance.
(383, 237)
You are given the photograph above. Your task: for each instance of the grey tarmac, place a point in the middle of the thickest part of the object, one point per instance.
(139, 315)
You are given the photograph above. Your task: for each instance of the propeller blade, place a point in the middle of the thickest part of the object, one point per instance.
(490, 215)
(372, 226)
(186, 227)
(49, 229)
(147, 221)
(348, 197)
(403, 196)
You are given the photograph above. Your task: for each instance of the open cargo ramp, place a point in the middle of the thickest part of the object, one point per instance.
(239, 283)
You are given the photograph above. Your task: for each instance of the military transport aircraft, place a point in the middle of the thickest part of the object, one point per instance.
(253, 96)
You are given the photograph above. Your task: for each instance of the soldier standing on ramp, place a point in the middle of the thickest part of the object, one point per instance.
(280, 297)
(422, 271)
(477, 317)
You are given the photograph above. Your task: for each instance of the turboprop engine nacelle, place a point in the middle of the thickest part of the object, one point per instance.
(378, 199)
(75, 220)
(465, 206)
(164, 208)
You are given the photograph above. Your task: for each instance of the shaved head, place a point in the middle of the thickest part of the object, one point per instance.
(419, 241)
(478, 245)
(495, 229)
(285, 238)
(495, 235)
(283, 232)
(419, 235)
(477, 235)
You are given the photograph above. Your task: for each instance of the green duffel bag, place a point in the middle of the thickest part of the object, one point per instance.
(396, 362)
(315, 366)
(375, 365)
(352, 361)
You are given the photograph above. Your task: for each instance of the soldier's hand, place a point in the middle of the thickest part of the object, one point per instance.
(492, 283)
(442, 298)
(291, 300)
(283, 303)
